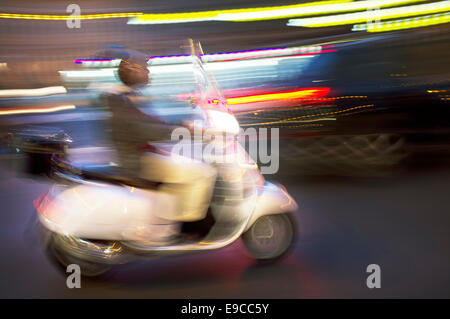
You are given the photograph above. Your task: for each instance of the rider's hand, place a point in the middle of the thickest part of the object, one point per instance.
(190, 125)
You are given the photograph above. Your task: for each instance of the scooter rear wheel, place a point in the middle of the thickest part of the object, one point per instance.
(271, 236)
(61, 260)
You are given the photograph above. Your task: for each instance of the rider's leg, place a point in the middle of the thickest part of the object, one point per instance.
(191, 181)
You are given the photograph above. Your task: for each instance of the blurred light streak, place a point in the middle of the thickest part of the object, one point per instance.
(304, 93)
(296, 119)
(371, 15)
(302, 55)
(266, 13)
(241, 64)
(216, 62)
(218, 57)
(79, 61)
(68, 17)
(89, 74)
(33, 92)
(294, 94)
(216, 66)
(254, 54)
(30, 110)
(172, 68)
(289, 105)
(321, 8)
(400, 24)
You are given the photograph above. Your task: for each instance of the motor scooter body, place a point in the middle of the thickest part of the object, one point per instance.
(98, 220)
(99, 224)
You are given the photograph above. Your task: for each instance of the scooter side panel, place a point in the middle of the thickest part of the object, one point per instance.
(109, 212)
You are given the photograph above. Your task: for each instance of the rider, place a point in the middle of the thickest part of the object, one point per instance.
(191, 182)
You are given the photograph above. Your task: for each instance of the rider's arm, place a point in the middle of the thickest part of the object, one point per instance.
(151, 127)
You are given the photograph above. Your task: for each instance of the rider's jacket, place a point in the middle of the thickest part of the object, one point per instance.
(131, 129)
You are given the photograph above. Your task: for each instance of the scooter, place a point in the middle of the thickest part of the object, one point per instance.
(96, 218)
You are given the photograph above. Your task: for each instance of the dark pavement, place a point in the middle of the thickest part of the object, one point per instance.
(400, 223)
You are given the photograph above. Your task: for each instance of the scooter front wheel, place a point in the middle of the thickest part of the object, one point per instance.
(271, 236)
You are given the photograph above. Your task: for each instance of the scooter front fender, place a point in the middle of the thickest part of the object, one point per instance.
(272, 199)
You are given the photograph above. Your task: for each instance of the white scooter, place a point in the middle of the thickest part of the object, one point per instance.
(96, 218)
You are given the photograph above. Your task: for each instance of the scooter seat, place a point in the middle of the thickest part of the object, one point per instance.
(110, 174)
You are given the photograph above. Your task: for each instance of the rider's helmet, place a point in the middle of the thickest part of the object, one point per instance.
(133, 68)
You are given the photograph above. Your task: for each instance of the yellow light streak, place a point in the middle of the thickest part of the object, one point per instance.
(350, 18)
(267, 13)
(422, 21)
(68, 17)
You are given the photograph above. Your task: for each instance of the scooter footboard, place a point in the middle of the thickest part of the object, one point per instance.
(272, 199)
